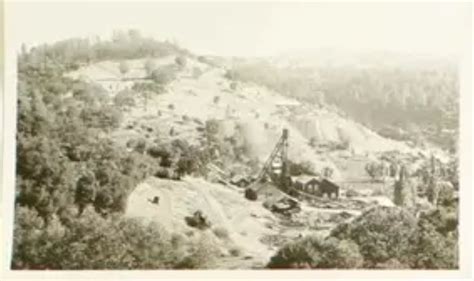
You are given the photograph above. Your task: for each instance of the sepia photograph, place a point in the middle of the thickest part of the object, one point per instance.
(311, 136)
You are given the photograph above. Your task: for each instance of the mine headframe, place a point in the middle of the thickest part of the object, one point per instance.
(276, 166)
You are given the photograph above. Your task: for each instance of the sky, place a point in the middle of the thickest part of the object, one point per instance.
(252, 29)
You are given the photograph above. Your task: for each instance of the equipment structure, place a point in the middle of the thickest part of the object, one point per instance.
(276, 166)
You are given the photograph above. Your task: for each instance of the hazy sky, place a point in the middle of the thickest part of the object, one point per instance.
(247, 29)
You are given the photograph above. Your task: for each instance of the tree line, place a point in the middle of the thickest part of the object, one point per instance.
(417, 103)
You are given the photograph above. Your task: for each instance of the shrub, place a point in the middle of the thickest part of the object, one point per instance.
(251, 194)
(125, 98)
(221, 232)
(144, 87)
(181, 61)
(341, 254)
(163, 75)
(101, 117)
(89, 93)
(295, 255)
(316, 252)
(235, 251)
(203, 255)
(212, 127)
(351, 193)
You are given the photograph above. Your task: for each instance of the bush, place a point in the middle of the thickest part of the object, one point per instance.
(125, 98)
(251, 194)
(181, 61)
(221, 233)
(294, 255)
(102, 117)
(89, 93)
(148, 87)
(235, 252)
(316, 252)
(163, 75)
(341, 254)
(203, 255)
(351, 193)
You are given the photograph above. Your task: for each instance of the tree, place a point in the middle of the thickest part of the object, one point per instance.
(91, 94)
(374, 170)
(403, 192)
(341, 254)
(125, 98)
(163, 75)
(102, 117)
(40, 115)
(85, 191)
(381, 233)
(302, 168)
(435, 244)
(45, 177)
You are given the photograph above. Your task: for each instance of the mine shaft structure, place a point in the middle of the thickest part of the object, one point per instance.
(276, 166)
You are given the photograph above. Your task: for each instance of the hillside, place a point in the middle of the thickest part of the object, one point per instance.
(408, 97)
(253, 112)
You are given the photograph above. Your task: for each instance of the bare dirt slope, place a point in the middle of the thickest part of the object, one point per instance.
(244, 221)
(254, 112)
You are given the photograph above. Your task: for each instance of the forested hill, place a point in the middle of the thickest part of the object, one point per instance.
(408, 98)
(65, 157)
(72, 179)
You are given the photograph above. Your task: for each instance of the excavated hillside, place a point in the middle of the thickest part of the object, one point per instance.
(254, 112)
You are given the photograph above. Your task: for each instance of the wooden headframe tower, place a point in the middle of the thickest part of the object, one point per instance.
(276, 166)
